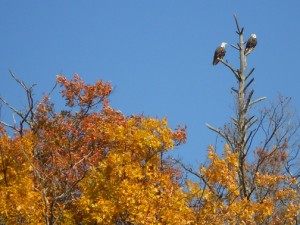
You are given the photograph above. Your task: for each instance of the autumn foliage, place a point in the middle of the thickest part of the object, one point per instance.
(90, 164)
(272, 200)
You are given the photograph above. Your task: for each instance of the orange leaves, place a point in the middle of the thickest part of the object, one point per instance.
(180, 135)
(76, 92)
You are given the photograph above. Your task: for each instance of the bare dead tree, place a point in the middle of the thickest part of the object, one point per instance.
(239, 137)
(276, 126)
(267, 142)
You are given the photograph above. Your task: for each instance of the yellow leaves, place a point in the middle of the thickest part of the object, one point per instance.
(268, 180)
(222, 171)
(291, 211)
(130, 180)
(140, 134)
(217, 198)
(150, 133)
(18, 198)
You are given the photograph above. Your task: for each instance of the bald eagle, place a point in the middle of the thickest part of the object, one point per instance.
(251, 43)
(219, 53)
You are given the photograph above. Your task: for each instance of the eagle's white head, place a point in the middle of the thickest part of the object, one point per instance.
(223, 44)
(253, 35)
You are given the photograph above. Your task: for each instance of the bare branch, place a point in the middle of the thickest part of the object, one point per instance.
(189, 170)
(239, 30)
(249, 74)
(248, 100)
(8, 125)
(220, 132)
(257, 100)
(235, 121)
(235, 90)
(248, 84)
(252, 122)
(248, 120)
(27, 116)
(18, 81)
(248, 138)
(235, 72)
(236, 47)
(41, 102)
(11, 107)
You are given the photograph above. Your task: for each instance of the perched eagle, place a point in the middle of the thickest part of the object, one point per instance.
(251, 43)
(219, 53)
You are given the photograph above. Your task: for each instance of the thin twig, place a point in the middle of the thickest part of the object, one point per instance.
(236, 91)
(11, 107)
(237, 48)
(248, 84)
(251, 123)
(8, 125)
(194, 173)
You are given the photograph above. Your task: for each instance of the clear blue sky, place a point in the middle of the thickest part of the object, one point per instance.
(156, 53)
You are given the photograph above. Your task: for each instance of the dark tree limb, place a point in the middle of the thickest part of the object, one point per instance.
(249, 74)
(248, 100)
(236, 47)
(248, 84)
(235, 90)
(239, 30)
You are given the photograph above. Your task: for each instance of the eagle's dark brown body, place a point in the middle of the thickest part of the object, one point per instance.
(251, 43)
(219, 54)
